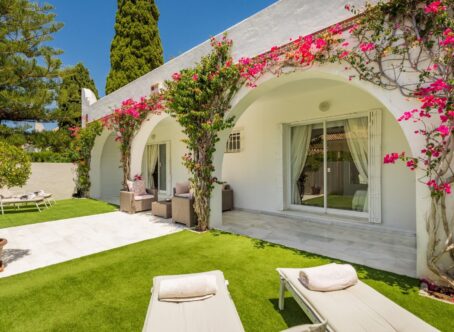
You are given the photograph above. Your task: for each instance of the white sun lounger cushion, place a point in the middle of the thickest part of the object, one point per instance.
(359, 308)
(189, 288)
(329, 277)
(214, 314)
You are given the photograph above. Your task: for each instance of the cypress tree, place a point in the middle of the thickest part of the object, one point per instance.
(136, 48)
(74, 79)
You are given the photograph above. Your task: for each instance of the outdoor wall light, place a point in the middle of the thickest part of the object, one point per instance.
(324, 106)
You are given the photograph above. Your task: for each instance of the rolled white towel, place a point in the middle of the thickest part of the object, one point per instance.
(190, 288)
(329, 277)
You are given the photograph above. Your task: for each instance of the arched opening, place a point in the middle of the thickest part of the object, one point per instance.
(111, 173)
(156, 154)
(339, 191)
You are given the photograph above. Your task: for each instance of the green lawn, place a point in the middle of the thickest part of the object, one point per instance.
(68, 208)
(110, 291)
(334, 202)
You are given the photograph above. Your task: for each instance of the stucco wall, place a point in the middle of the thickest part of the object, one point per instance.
(254, 172)
(55, 178)
(111, 173)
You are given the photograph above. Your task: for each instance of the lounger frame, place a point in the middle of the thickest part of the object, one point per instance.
(309, 310)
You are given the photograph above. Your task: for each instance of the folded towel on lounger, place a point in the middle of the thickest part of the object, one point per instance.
(329, 277)
(191, 288)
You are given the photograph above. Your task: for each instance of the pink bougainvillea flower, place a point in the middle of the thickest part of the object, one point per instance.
(343, 55)
(365, 47)
(320, 43)
(449, 38)
(176, 76)
(391, 158)
(434, 7)
(335, 30)
(443, 130)
(353, 28)
(411, 164)
(195, 77)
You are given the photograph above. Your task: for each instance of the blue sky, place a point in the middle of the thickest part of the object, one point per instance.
(89, 27)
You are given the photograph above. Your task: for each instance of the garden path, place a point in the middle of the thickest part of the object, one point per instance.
(34, 246)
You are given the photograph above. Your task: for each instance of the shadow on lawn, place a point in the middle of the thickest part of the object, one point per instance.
(292, 314)
(11, 255)
(404, 283)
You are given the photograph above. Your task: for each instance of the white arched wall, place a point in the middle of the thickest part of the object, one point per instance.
(392, 101)
(95, 164)
(140, 140)
(111, 170)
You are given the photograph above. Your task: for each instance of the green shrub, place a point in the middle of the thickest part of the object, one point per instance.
(49, 157)
(15, 166)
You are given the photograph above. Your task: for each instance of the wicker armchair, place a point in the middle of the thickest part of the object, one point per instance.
(132, 202)
(183, 205)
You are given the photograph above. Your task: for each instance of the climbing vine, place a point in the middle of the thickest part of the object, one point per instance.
(81, 146)
(199, 99)
(126, 121)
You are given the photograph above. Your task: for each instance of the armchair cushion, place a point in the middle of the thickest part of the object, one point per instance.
(139, 188)
(181, 188)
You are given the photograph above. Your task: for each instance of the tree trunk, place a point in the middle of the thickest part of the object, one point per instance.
(436, 247)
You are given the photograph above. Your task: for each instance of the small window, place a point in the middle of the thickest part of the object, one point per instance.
(234, 142)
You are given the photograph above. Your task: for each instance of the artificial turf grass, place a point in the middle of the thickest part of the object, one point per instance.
(63, 209)
(110, 291)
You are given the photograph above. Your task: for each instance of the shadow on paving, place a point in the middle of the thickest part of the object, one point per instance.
(11, 255)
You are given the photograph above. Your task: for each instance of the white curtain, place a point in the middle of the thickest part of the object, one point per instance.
(150, 160)
(300, 140)
(356, 133)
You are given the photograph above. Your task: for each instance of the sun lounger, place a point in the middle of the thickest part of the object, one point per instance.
(358, 308)
(18, 200)
(48, 199)
(216, 313)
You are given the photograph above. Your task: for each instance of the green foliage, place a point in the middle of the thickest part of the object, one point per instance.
(29, 67)
(69, 109)
(199, 99)
(53, 145)
(49, 157)
(136, 48)
(81, 150)
(15, 166)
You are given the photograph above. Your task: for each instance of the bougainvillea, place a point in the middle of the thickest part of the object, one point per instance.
(125, 122)
(199, 99)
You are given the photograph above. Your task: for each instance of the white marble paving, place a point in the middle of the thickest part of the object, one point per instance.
(371, 246)
(33, 246)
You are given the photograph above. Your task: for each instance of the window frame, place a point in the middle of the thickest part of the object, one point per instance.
(373, 215)
(228, 148)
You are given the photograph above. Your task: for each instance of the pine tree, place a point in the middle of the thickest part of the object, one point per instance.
(74, 79)
(28, 65)
(136, 48)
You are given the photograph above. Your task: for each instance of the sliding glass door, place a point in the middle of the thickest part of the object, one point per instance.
(156, 166)
(330, 164)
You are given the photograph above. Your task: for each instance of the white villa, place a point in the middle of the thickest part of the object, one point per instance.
(332, 197)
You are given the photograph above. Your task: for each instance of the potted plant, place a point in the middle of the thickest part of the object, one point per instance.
(3, 243)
